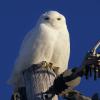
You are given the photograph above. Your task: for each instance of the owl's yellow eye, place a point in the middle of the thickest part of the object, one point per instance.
(58, 18)
(46, 18)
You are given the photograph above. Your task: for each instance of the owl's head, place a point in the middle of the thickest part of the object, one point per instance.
(53, 19)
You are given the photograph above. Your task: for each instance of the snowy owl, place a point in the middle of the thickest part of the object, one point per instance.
(47, 41)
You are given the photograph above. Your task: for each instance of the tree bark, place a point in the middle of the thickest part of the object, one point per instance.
(38, 79)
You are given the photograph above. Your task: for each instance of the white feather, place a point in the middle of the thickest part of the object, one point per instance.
(48, 41)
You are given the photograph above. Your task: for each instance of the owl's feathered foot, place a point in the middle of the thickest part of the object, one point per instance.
(47, 64)
(50, 66)
(55, 69)
(44, 64)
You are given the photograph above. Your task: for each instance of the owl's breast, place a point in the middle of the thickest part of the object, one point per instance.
(61, 52)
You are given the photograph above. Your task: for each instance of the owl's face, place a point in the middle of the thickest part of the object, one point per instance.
(53, 19)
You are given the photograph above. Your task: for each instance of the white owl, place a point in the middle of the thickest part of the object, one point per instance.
(47, 41)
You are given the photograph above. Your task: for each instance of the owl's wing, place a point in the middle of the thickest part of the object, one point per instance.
(19, 60)
(26, 39)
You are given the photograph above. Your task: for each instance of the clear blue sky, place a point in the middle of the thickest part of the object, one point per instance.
(17, 17)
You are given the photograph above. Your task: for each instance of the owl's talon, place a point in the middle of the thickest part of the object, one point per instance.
(50, 65)
(44, 64)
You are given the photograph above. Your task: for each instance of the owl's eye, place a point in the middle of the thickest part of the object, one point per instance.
(58, 18)
(46, 18)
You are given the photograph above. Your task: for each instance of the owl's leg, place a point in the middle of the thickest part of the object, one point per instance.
(51, 66)
(44, 64)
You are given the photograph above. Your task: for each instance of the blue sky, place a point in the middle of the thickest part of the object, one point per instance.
(17, 17)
